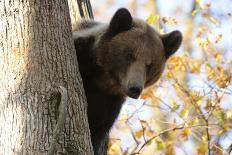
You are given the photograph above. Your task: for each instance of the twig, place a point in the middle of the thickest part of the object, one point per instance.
(152, 138)
(136, 111)
(168, 130)
(208, 138)
(133, 135)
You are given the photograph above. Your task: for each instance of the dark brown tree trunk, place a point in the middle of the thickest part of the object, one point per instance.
(37, 56)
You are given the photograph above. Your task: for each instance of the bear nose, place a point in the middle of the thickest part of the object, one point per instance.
(134, 91)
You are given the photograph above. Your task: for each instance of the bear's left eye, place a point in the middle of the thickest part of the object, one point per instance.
(129, 55)
(148, 67)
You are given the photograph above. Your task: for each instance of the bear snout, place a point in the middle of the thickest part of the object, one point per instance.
(134, 91)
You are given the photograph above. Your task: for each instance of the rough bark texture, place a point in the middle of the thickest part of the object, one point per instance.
(36, 57)
(85, 9)
(79, 9)
(74, 12)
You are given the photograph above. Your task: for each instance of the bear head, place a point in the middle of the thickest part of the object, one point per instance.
(130, 53)
(133, 54)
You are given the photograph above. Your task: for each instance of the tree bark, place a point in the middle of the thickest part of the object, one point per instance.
(85, 9)
(80, 9)
(37, 56)
(74, 12)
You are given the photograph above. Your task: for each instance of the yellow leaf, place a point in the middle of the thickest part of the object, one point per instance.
(204, 138)
(194, 12)
(184, 112)
(218, 56)
(175, 106)
(202, 149)
(169, 21)
(222, 131)
(196, 120)
(115, 148)
(151, 19)
(229, 114)
(138, 134)
(223, 81)
(195, 67)
(169, 75)
(186, 132)
(149, 133)
(207, 6)
(214, 20)
(218, 38)
(159, 145)
(198, 1)
(209, 71)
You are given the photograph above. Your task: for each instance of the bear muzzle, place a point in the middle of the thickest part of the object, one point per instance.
(134, 90)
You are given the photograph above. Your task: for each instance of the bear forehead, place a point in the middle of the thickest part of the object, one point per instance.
(142, 39)
(140, 32)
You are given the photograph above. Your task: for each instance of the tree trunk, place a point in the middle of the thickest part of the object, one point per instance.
(74, 12)
(80, 9)
(37, 56)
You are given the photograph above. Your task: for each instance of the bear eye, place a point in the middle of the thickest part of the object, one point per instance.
(148, 67)
(129, 55)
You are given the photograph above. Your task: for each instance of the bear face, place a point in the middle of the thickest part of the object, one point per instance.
(133, 54)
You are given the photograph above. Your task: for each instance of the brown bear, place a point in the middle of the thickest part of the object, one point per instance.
(117, 60)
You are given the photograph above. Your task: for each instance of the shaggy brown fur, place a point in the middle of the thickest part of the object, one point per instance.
(118, 60)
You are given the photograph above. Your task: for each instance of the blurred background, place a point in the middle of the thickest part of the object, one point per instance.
(189, 111)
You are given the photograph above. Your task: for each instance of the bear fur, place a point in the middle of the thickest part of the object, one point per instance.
(117, 60)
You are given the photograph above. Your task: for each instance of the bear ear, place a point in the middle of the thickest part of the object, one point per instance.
(171, 42)
(121, 21)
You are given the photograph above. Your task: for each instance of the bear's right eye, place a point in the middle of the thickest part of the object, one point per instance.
(129, 55)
